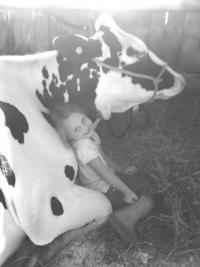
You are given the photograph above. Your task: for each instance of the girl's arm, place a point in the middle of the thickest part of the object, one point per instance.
(117, 168)
(112, 179)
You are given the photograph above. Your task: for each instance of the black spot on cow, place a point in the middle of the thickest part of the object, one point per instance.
(44, 83)
(52, 93)
(77, 49)
(83, 81)
(122, 65)
(2, 199)
(56, 207)
(146, 66)
(45, 73)
(130, 51)
(7, 171)
(57, 92)
(114, 45)
(55, 78)
(69, 172)
(48, 118)
(65, 67)
(15, 121)
(79, 82)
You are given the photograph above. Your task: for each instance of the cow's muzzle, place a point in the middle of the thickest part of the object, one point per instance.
(179, 83)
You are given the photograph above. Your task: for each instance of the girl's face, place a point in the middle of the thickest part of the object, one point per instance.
(78, 126)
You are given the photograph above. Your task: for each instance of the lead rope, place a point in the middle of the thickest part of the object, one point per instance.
(127, 72)
(155, 82)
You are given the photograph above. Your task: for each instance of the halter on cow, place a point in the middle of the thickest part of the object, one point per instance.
(37, 192)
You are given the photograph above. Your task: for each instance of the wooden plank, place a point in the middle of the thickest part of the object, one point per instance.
(172, 39)
(177, 42)
(190, 49)
(192, 81)
(22, 31)
(135, 22)
(156, 35)
(40, 31)
(4, 29)
(7, 33)
(62, 22)
(31, 31)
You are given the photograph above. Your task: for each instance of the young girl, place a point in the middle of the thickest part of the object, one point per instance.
(96, 170)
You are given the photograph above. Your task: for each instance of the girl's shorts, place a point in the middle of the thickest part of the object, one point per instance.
(115, 197)
(140, 184)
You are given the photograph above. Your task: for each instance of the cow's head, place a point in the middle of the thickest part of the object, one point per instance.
(113, 70)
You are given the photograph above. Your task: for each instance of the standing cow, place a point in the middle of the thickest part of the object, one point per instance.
(110, 72)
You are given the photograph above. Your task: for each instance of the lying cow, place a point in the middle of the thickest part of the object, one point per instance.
(110, 72)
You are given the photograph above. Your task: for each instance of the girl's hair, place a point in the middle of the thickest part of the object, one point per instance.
(59, 113)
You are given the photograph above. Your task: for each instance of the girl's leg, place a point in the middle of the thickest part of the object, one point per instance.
(125, 219)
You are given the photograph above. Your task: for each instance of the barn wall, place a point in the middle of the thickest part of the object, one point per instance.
(177, 40)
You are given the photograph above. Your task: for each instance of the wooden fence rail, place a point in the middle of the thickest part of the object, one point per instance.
(172, 35)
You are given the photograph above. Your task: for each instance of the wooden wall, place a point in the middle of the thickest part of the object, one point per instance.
(176, 41)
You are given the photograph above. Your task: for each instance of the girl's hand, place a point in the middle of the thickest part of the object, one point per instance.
(130, 170)
(130, 197)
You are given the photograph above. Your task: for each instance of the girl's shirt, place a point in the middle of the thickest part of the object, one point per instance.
(86, 150)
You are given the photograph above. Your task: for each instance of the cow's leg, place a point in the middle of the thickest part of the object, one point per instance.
(31, 255)
(75, 234)
(11, 235)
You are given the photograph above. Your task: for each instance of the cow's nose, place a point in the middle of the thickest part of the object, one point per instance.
(180, 83)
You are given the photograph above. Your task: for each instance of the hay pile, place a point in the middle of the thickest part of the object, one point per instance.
(167, 148)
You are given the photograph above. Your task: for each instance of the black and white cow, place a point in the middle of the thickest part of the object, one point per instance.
(37, 190)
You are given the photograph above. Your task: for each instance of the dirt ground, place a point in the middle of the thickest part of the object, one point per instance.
(101, 248)
(162, 140)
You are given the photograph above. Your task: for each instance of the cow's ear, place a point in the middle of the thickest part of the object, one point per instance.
(59, 42)
(55, 40)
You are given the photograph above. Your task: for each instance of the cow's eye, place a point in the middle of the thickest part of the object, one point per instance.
(79, 50)
(76, 129)
(131, 52)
